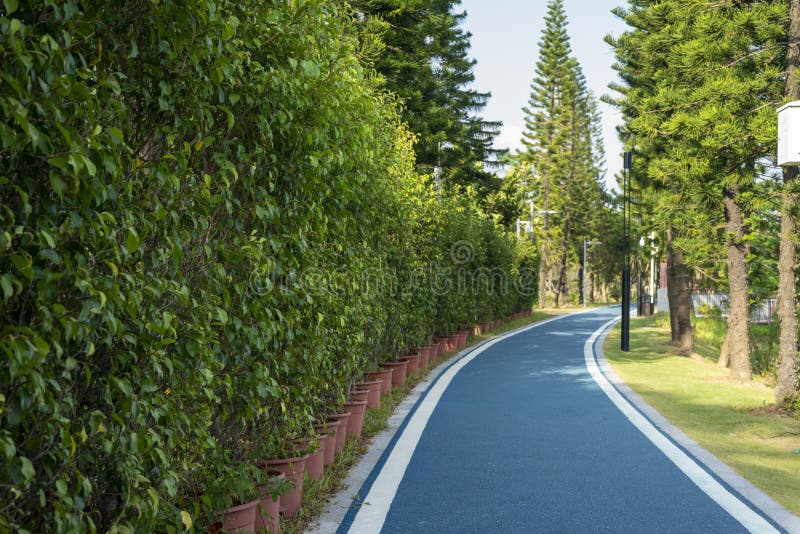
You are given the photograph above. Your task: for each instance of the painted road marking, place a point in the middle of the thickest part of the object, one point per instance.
(730, 503)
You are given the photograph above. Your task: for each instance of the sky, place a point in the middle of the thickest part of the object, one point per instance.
(505, 36)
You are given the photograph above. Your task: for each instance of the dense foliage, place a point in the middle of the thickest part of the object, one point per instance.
(700, 85)
(210, 225)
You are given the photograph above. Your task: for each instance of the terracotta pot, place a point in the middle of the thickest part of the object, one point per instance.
(462, 339)
(267, 514)
(413, 364)
(315, 464)
(475, 331)
(399, 374)
(442, 342)
(358, 412)
(485, 327)
(241, 518)
(341, 430)
(433, 351)
(374, 396)
(327, 433)
(385, 376)
(359, 394)
(452, 343)
(293, 468)
(424, 357)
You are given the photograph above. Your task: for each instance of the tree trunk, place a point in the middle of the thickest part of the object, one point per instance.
(543, 267)
(672, 288)
(679, 291)
(685, 328)
(543, 278)
(737, 341)
(672, 294)
(562, 287)
(787, 387)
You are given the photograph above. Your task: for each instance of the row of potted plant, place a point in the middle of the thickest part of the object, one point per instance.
(280, 490)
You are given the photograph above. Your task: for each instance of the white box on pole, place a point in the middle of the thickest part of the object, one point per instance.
(789, 134)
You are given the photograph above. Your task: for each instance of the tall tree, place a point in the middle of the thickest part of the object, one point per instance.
(424, 59)
(787, 388)
(710, 110)
(641, 66)
(543, 117)
(561, 145)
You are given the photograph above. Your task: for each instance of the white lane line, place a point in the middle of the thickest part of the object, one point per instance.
(730, 503)
(372, 513)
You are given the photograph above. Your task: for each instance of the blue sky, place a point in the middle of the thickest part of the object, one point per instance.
(505, 36)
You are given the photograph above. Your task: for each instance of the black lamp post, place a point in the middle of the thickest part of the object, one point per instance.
(627, 163)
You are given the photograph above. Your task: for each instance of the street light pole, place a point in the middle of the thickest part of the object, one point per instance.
(585, 270)
(625, 341)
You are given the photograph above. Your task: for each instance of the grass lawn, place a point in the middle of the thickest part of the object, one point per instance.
(734, 422)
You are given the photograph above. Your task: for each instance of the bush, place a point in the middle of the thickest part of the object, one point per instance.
(195, 198)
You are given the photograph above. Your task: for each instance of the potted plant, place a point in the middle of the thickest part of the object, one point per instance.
(355, 422)
(413, 363)
(341, 428)
(384, 375)
(292, 465)
(374, 395)
(327, 432)
(267, 514)
(314, 448)
(399, 372)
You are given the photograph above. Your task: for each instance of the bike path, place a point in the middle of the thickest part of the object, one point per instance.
(519, 437)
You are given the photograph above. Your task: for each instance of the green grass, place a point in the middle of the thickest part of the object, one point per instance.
(735, 422)
(316, 493)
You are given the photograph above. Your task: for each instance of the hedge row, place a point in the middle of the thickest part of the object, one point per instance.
(210, 225)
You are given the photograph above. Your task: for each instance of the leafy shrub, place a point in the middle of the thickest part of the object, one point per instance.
(764, 349)
(712, 312)
(193, 198)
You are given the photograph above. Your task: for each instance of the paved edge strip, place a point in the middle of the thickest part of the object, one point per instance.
(683, 451)
(340, 513)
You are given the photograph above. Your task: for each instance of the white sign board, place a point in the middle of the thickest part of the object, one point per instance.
(789, 134)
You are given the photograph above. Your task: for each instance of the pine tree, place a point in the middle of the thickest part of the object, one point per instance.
(561, 140)
(641, 65)
(706, 119)
(425, 61)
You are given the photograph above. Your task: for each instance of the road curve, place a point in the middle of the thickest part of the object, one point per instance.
(524, 434)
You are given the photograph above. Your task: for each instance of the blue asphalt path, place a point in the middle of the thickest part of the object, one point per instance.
(524, 440)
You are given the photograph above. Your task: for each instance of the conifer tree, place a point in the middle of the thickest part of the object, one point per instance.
(561, 140)
(641, 66)
(706, 119)
(425, 61)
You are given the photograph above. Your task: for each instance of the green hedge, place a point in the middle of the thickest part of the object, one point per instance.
(210, 226)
